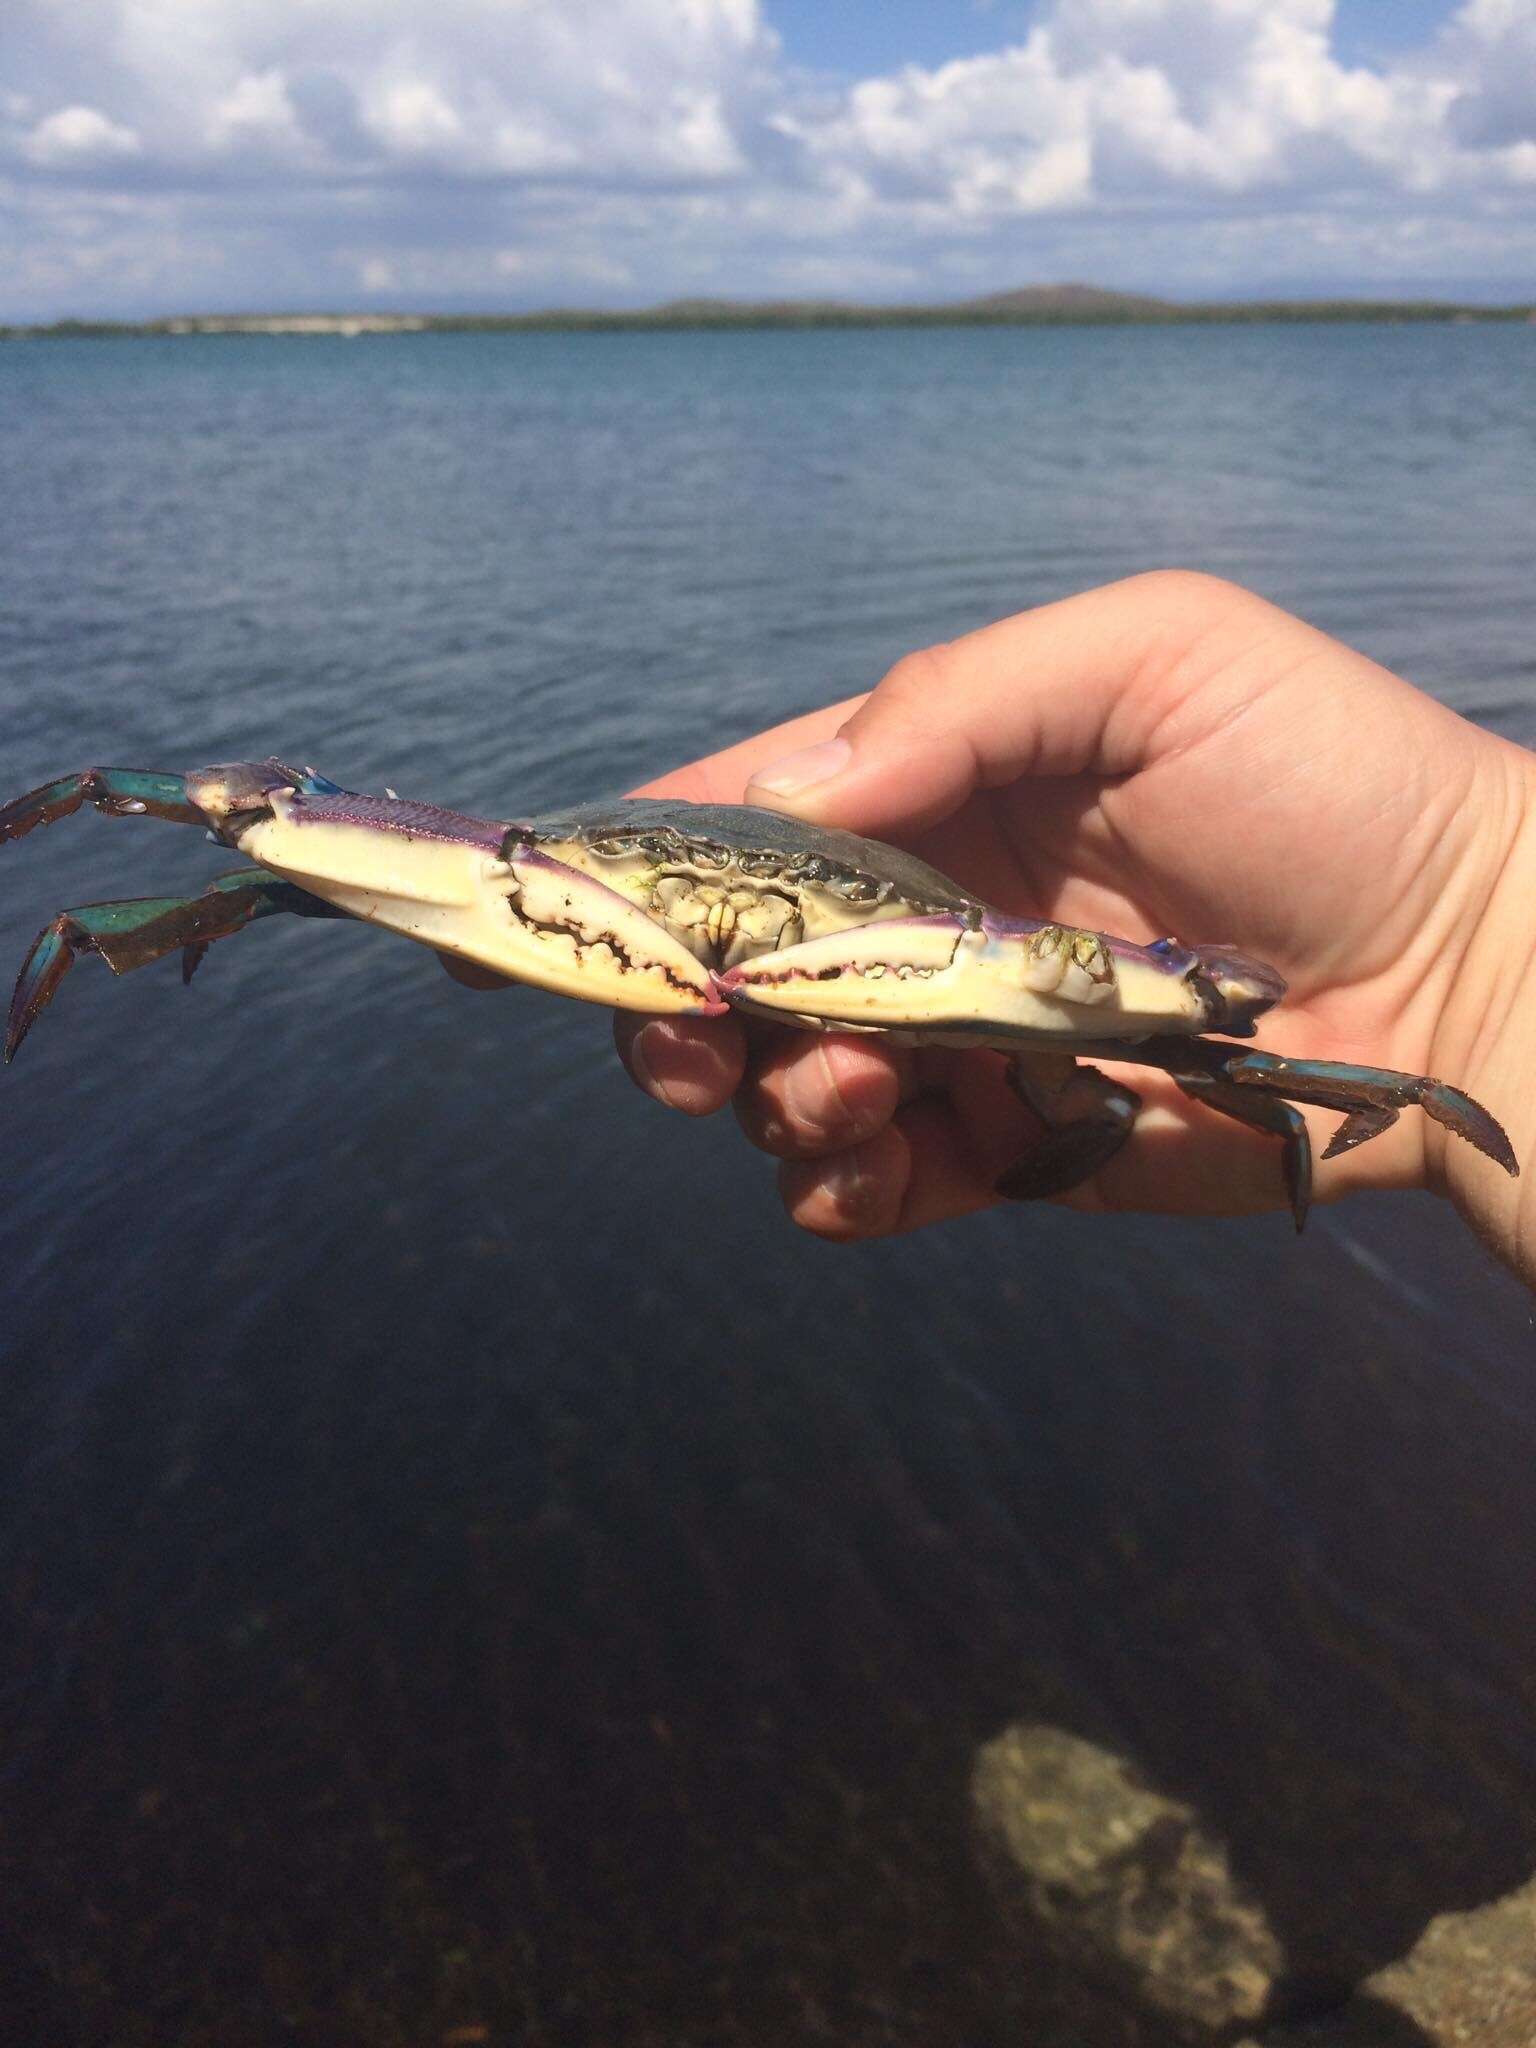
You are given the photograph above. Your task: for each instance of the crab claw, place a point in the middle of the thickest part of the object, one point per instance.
(474, 888)
(120, 792)
(991, 976)
(571, 934)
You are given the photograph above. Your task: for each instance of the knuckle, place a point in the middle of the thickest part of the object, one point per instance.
(795, 1109)
(761, 1123)
(918, 680)
(1188, 590)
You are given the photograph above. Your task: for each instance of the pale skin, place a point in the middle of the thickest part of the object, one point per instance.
(1166, 755)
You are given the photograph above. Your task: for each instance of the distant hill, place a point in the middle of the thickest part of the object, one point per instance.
(1035, 305)
(1086, 302)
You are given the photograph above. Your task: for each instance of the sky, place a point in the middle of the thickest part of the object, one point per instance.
(173, 156)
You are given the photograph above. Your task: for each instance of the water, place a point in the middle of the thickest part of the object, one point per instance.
(470, 1562)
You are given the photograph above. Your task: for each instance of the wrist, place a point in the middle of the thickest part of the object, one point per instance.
(1485, 1041)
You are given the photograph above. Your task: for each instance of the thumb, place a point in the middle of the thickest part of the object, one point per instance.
(1071, 688)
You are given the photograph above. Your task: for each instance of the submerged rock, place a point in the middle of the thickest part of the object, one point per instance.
(1134, 1892)
(1468, 1982)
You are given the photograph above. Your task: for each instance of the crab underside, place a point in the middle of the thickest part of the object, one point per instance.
(703, 909)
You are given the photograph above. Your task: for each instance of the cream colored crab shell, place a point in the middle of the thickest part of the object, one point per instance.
(523, 917)
(966, 986)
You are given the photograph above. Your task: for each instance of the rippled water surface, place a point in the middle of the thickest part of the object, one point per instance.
(469, 1558)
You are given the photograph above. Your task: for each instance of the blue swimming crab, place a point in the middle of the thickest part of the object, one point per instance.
(703, 909)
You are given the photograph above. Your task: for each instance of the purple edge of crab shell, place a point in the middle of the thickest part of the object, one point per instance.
(399, 814)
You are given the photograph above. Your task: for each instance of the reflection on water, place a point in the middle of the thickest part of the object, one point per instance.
(471, 1564)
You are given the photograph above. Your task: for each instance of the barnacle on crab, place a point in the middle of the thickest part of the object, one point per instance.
(702, 909)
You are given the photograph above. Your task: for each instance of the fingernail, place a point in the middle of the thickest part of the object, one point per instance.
(795, 772)
(643, 1070)
(683, 1072)
(813, 1097)
(846, 1183)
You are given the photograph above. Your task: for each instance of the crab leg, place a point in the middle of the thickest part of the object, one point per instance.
(149, 792)
(1279, 1119)
(1257, 1088)
(120, 792)
(131, 934)
(1087, 1119)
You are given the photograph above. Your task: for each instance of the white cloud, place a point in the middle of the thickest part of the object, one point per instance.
(256, 114)
(614, 87)
(78, 136)
(665, 145)
(412, 116)
(1114, 101)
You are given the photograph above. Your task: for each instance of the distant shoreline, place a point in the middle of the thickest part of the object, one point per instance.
(1033, 306)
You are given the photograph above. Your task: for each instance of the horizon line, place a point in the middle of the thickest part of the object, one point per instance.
(1027, 305)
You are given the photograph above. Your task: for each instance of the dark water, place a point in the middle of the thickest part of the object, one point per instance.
(470, 1564)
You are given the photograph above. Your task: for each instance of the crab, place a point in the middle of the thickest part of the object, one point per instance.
(704, 909)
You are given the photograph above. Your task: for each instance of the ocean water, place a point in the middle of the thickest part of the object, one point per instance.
(468, 1562)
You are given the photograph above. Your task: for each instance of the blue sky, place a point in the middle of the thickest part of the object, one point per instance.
(161, 156)
(862, 41)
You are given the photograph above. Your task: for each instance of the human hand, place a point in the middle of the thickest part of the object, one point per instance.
(1165, 755)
